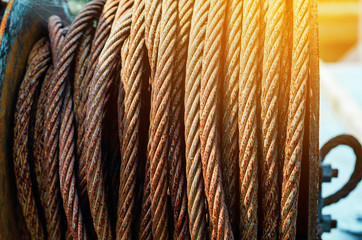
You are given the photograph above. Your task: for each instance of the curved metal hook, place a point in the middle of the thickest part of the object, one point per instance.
(357, 172)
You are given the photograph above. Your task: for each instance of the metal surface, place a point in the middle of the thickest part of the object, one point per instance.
(26, 189)
(248, 94)
(194, 172)
(132, 76)
(25, 22)
(187, 179)
(209, 122)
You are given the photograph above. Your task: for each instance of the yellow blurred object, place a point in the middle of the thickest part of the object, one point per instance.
(338, 28)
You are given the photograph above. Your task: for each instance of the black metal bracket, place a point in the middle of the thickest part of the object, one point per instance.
(325, 222)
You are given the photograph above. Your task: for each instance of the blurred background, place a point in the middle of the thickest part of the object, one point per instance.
(340, 32)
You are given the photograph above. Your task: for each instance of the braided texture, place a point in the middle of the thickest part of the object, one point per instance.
(52, 120)
(96, 100)
(229, 101)
(296, 114)
(100, 37)
(25, 187)
(210, 153)
(160, 122)
(195, 184)
(172, 119)
(66, 168)
(249, 82)
(39, 137)
(269, 116)
(177, 178)
(132, 78)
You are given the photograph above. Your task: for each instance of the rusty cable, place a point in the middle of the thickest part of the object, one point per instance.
(25, 186)
(102, 32)
(95, 109)
(132, 71)
(195, 185)
(52, 120)
(269, 116)
(39, 137)
(152, 38)
(229, 121)
(249, 82)
(160, 122)
(296, 115)
(176, 165)
(209, 122)
(259, 58)
(152, 32)
(67, 171)
(80, 70)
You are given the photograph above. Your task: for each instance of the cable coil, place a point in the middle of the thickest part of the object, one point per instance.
(168, 119)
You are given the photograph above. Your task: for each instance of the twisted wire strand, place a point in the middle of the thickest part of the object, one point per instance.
(152, 32)
(81, 66)
(160, 124)
(314, 100)
(102, 32)
(56, 35)
(132, 71)
(25, 188)
(145, 232)
(249, 74)
(94, 118)
(285, 84)
(209, 122)
(152, 39)
(195, 184)
(39, 137)
(67, 168)
(229, 134)
(176, 165)
(296, 113)
(269, 115)
(52, 119)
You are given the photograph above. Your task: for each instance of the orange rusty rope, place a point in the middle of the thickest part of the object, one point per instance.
(248, 142)
(229, 103)
(296, 115)
(269, 116)
(38, 65)
(176, 165)
(94, 118)
(67, 171)
(195, 184)
(52, 120)
(209, 122)
(132, 71)
(160, 122)
(228, 91)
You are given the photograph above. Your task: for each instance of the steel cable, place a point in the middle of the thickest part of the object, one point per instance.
(229, 103)
(269, 116)
(95, 109)
(67, 171)
(296, 115)
(176, 165)
(100, 37)
(39, 137)
(52, 120)
(194, 172)
(209, 122)
(37, 66)
(132, 71)
(248, 143)
(160, 122)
